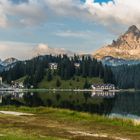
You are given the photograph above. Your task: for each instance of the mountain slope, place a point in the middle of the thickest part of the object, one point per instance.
(127, 46)
(7, 63)
(111, 61)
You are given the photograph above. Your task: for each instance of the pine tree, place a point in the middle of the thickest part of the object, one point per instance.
(58, 83)
(86, 84)
(49, 75)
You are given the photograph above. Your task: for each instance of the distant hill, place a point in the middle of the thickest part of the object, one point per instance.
(126, 47)
(7, 63)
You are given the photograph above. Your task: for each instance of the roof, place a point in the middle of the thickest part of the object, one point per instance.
(53, 63)
(95, 85)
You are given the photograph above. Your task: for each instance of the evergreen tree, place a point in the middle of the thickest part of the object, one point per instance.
(49, 75)
(86, 85)
(58, 83)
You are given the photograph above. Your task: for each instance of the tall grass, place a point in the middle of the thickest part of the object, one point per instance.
(65, 114)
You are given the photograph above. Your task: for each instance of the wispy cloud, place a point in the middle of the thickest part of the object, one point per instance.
(77, 34)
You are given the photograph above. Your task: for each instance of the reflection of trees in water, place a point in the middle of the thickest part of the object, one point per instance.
(79, 101)
(32, 100)
(70, 100)
(9, 100)
(127, 103)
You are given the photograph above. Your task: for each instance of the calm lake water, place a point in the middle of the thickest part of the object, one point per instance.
(126, 104)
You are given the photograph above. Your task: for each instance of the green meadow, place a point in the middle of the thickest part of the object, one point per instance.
(76, 82)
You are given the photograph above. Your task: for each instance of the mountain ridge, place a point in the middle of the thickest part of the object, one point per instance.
(8, 63)
(127, 46)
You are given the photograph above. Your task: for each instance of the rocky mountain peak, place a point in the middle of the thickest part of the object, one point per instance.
(134, 30)
(127, 46)
(129, 40)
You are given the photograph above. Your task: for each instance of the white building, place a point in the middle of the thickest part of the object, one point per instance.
(77, 65)
(103, 87)
(1, 99)
(53, 66)
(0, 80)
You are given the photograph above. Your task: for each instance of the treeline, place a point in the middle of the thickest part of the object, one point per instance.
(127, 76)
(35, 69)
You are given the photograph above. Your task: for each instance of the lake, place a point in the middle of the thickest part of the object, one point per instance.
(125, 104)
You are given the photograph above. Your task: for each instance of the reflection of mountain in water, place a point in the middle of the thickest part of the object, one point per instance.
(127, 103)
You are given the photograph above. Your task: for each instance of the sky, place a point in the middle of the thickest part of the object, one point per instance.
(81, 26)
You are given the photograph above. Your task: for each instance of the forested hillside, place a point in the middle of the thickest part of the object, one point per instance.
(127, 76)
(35, 69)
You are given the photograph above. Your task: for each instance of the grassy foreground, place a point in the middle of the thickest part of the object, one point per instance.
(60, 124)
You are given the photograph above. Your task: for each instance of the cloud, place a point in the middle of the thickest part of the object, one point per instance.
(27, 13)
(112, 12)
(3, 18)
(66, 7)
(36, 12)
(118, 11)
(77, 34)
(43, 49)
(19, 50)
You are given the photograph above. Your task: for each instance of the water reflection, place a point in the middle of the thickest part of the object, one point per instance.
(96, 102)
(127, 103)
(81, 101)
(103, 94)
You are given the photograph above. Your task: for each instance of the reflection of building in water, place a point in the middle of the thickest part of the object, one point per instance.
(16, 95)
(21, 95)
(0, 80)
(103, 94)
(103, 87)
(0, 99)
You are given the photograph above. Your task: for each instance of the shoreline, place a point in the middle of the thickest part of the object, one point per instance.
(134, 118)
(66, 90)
(70, 90)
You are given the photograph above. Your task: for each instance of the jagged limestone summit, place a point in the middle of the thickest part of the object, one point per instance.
(127, 46)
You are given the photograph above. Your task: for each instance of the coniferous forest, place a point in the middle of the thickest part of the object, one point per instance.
(124, 76)
(35, 69)
(127, 76)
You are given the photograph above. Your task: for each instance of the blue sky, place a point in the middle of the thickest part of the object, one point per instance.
(79, 26)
